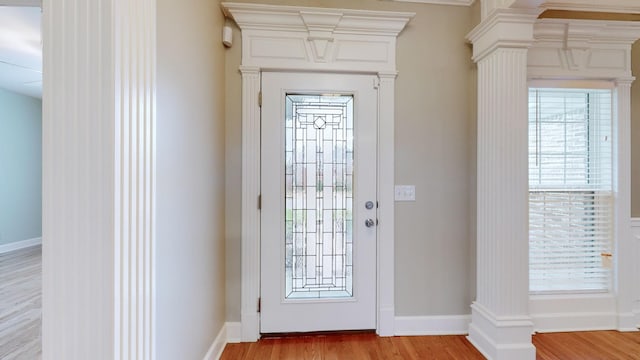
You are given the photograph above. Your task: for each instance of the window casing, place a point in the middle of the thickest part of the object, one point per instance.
(570, 190)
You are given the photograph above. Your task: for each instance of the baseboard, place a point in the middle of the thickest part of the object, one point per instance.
(17, 245)
(217, 347)
(229, 333)
(432, 325)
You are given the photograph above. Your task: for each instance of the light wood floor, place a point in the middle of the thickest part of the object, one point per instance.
(21, 304)
(601, 345)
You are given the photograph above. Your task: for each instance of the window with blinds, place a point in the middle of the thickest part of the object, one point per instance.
(570, 189)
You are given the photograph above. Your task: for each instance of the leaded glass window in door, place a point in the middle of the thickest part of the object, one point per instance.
(318, 196)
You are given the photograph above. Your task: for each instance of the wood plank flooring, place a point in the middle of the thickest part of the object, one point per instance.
(354, 347)
(599, 345)
(21, 304)
(20, 338)
(589, 345)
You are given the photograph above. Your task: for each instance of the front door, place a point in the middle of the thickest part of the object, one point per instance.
(318, 218)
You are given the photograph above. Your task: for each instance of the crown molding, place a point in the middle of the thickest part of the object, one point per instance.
(507, 28)
(587, 31)
(323, 39)
(592, 49)
(619, 6)
(440, 2)
(316, 20)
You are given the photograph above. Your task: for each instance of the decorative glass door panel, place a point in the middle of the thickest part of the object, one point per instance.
(318, 184)
(318, 196)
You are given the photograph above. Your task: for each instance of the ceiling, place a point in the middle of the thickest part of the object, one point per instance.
(21, 50)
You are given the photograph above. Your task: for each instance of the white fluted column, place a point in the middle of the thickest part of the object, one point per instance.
(250, 267)
(501, 327)
(99, 179)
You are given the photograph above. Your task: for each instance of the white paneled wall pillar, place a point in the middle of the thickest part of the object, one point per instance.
(626, 284)
(99, 179)
(250, 213)
(501, 327)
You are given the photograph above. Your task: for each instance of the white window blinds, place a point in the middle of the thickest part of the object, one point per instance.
(570, 189)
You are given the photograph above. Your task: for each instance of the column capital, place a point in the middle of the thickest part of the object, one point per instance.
(626, 81)
(504, 28)
(249, 70)
(388, 75)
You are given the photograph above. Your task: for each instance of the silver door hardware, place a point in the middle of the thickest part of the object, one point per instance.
(369, 222)
(369, 205)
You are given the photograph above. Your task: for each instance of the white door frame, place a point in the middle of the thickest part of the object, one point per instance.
(323, 40)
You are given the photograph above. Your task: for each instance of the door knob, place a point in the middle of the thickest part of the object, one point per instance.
(369, 223)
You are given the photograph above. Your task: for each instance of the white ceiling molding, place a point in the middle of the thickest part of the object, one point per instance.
(608, 6)
(619, 6)
(440, 2)
(324, 39)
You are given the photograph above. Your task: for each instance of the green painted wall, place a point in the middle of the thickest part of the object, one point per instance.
(20, 167)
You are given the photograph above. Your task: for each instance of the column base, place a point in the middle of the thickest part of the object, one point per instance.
(501, 338)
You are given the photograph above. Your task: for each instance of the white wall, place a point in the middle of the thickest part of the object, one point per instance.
(190, 173)
(435, 91)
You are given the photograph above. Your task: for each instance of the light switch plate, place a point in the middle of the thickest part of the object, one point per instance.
(405, 193)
